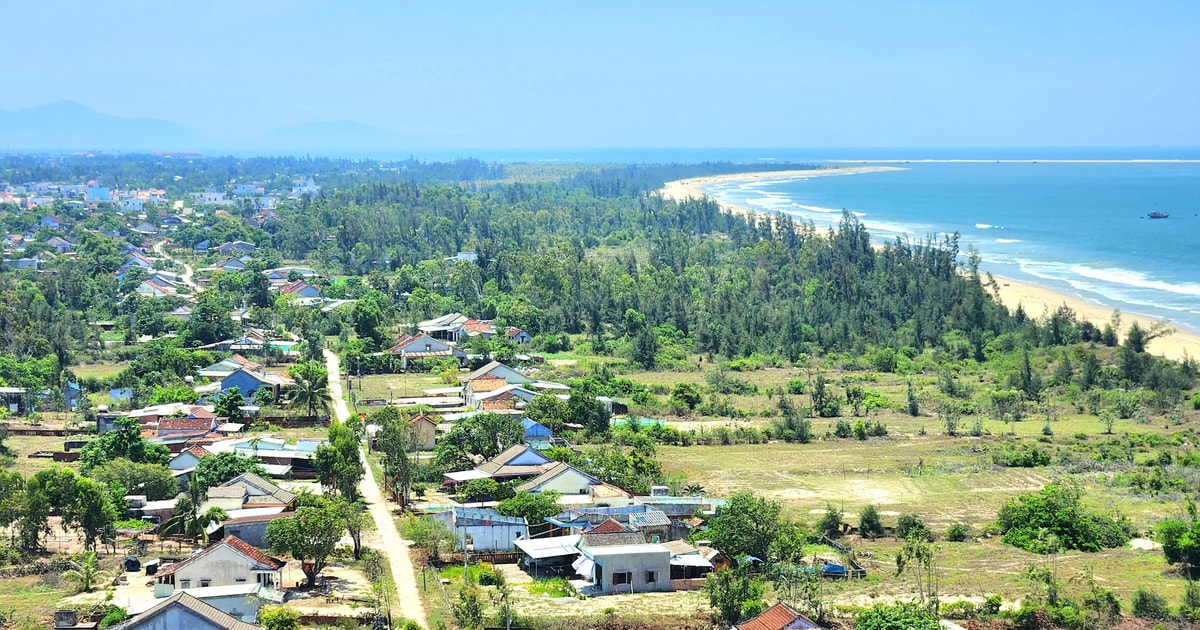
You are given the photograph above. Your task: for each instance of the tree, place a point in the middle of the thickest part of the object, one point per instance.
(830, 524)
(427, 534)
(479, 490)
(123, 441)
(214, 470)
(310, 536)
(339, 467)
(919, 556)
(92, 512)
(548, 410)
(534, 508)
(210, 321)
(732, 593)
(12, 489)
(85, 572)
(229, 404)
(278, 618)
(311, 390)
(869, 523)
(746, 526)
(153, 480)
(482, 436)
(188, 520)
(368, 322)
(686, 395)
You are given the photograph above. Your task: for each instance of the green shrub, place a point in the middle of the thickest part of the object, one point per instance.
(991, 606)
(869, 523)
(797, 386)
(958, 610)
(898, 616)
(842, 429)
(911, 524)
(1055, 518)
(1151, 605)
(958, 532)
(1189, 609)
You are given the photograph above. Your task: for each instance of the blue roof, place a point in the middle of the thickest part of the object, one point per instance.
(535, 429)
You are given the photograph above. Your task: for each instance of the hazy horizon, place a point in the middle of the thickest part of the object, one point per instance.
(478, 76)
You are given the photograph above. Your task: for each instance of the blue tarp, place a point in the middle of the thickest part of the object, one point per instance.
(534, 429)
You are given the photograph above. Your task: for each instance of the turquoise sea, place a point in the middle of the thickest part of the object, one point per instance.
(1080, 228)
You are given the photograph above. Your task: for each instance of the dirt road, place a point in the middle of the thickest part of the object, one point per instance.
(394, 547)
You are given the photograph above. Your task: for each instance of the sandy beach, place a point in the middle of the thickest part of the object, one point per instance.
(1037, 301)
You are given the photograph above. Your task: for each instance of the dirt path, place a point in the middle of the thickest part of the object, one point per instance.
(408, 597)
(186, 277)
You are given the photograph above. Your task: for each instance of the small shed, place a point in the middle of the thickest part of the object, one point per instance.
(132, 564)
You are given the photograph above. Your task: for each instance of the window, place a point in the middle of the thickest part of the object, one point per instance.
(240, 580)
(204, 582)
(622, 577)
(651, 577)
(185, 584)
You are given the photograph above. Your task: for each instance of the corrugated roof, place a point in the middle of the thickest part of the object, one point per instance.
(609, 526)
(210, 613)
(255, 481)
(237, 544)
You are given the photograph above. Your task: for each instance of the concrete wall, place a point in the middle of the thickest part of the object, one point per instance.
(244, 607)
(567, 482)
(222, 566)
(638, 564)
(253, 533)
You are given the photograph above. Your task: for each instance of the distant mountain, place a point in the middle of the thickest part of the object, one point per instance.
(339, 137)
(69, 126)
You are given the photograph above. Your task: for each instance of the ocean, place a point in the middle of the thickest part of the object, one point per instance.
(1078, 228)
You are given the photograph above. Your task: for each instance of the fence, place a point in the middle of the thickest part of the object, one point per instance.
(687, 584)
(498, 557)
(42, 431)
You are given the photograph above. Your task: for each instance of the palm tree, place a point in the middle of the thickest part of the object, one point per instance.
(311, 390)
(86, 572)
(188, 520)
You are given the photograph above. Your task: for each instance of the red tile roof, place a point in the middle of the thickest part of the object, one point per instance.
(185, 424)
(476, 325)
(609, 526)
(199, 452)
(238, 545)
(777, 617)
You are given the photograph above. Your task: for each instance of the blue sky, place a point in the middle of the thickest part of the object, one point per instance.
(628, 74)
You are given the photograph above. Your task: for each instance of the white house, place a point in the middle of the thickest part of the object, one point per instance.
(226, 562)
(416, 347)
(182, 610)
(562, 478)
(485, 529)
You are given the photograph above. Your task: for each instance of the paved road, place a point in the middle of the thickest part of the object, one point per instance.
(186, 276)
(393, 547)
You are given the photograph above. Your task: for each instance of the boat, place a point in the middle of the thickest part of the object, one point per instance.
(1158, 215)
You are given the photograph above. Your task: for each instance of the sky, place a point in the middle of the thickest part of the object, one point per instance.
(620, 73)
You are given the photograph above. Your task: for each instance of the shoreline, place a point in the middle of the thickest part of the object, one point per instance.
(1037, 301)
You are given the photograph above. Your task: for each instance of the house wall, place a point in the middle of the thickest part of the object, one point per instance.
(223, 566)
(244, 607)
(253, 533)
(245, 383)
(423, 436)
(568, 482)
(183, 461)
(498, 537)
(638, 564)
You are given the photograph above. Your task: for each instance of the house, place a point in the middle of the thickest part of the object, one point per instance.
(496, 369)
(283, 273)
(302, 289)
(651, 524)
(146, 228)
(474, 328)
(182, 610)
(622, 562)
(225, 367)
(470, 257)
(133, 204)
(226, 562)
(209, 197)
(516, 462)
(536, 435)
(188, 458)
(137, 259)
(61, 244)
(251, 528)
(301, 187)
(562, 478)
(777, 617)
(517, 336)
(51, 222)
(418, 347)
(201, 247)
(443, 327)
(13, 399)
(260, 493)
(422, 432)
(556, 552)
(485, 529)
(97, 193)
(230, 265)
(153, 289)
(236, 247)
(174, 222)
(168, 427)
(504, 398)
(249, 382)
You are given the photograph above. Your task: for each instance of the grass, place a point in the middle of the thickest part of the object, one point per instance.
(551, 587)
(103, 369)
(30, 600)
(20, 446)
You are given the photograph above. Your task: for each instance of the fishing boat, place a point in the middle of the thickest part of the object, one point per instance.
(1158, 215)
